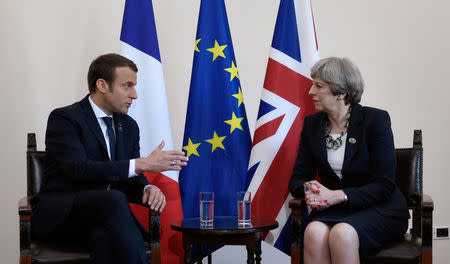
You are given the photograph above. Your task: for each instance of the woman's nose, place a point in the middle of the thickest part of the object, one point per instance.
(311, 90)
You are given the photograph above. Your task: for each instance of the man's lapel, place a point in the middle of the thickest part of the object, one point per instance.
(92, 123)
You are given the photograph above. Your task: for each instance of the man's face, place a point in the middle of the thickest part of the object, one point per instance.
(122, 92)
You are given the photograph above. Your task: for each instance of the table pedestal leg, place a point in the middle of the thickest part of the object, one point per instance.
(258, 248)
(199, 255)
(250, 254)
(187, 250)
(252, 247)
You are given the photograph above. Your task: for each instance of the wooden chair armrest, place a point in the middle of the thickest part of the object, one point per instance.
(296, 203)
(427, 203)
(427, 208)
(155, 213)
(25, 206)
(154, 227)
(154, 232)
(296, 206)
(25, 229)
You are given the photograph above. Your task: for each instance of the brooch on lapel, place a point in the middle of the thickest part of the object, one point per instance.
(352, 140)
(120, 127)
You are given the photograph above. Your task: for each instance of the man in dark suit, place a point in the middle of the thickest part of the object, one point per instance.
(93, 168)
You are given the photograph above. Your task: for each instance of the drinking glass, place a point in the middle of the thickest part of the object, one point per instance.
(206, 208)
(244, 200)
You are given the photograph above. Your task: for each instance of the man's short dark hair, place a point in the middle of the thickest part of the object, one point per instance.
(104, 67)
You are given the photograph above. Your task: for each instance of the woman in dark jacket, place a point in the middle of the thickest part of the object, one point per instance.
(356, 206)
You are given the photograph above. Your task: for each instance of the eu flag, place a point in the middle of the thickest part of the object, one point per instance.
(216, 136)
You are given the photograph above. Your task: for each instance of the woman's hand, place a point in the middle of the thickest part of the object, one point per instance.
(320, 197)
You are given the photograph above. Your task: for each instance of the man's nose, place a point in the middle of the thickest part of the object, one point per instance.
(134, 93)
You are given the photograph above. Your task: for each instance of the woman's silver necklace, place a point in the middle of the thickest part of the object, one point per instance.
(336, 143)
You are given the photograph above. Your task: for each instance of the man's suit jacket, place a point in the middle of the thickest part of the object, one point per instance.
(368, 172)
(77, 160)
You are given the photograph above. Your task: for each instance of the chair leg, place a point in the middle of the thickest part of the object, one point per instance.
(25, 259)
(427, 257)
(427, 229)
(25, 239)
(156, 256)
(154, 233)
(297, 236)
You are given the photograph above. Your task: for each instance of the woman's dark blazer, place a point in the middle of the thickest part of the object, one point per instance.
(368, 172)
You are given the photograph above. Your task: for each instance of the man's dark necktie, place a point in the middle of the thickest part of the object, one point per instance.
(112, 138)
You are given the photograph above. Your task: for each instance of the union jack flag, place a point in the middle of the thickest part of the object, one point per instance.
(284, 104)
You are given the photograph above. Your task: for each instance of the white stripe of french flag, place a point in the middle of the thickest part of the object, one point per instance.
(139, 43)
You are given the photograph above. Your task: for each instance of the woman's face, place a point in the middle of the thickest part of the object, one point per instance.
(323, 98)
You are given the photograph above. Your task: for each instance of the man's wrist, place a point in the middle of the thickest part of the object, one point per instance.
(138, 166)
(149, 185)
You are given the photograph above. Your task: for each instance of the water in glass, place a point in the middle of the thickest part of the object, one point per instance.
(206, 211)
(244, 212)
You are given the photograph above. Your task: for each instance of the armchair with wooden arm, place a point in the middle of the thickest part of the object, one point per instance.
(33, 251)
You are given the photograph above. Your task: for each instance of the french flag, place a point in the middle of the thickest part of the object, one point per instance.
(283, 106)
(139, 43)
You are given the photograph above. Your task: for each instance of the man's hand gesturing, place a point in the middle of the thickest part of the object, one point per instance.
(161, 160)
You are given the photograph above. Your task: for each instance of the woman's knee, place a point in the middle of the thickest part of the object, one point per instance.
(343, 234)
(316, 232)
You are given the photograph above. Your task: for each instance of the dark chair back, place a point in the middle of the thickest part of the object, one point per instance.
(409, 171)
(409, 179)
(35, 166)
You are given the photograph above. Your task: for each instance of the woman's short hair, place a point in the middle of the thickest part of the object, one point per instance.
(342, 76)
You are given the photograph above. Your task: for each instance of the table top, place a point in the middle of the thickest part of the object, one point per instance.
(223, 225)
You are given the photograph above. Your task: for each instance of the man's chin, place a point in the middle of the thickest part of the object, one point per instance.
(123, 111)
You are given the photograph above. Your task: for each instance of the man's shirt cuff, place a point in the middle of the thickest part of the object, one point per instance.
(132, 168)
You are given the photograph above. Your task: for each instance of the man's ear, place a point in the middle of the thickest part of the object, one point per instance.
(102, 86)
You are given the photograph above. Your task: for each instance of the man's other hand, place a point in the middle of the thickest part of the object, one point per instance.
(154, 198)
